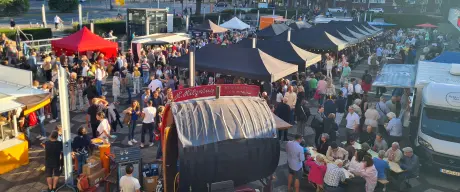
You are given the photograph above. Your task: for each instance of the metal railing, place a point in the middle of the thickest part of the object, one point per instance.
(44, 45)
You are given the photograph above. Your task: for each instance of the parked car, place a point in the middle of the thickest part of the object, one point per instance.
(376, 10)
(336, 9)
(221, 4)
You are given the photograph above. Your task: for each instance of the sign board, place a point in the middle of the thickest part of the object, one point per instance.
(210, 90)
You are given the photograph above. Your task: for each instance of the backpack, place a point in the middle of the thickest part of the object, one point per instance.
(82, 182)
(368, 79)
(33, 120)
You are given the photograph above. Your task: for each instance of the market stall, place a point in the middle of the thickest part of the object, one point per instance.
(17, 98)
(216, 134)
(235, 24)
(300, 25)
(83, 41)
(241, 62)
(314, 40)
(284, 50)
(272, 30)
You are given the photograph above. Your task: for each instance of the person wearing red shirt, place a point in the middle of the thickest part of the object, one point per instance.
(317, 171)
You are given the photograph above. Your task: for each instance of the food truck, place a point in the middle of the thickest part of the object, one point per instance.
(218, 133)
(437, 106)
(434, 115)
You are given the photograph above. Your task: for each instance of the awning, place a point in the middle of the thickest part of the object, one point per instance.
(357, 35)
(28, 97)
(340, 44)
(447, 57)
(9, 105)
(204, 121)
(362, 31)
(162, 38)
(350, 40)
(396, 75)
(281, 124)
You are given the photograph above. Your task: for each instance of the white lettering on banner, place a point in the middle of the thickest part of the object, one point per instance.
(453, 99)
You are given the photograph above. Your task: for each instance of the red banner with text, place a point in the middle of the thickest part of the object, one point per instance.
(211, 90)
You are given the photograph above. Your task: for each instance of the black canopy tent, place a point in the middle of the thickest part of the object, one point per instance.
(348, 28)
(272, 30)
(300, 25)
(285, 51)
(232, 60)
(338, 32)
(209, 26)
(315, 40)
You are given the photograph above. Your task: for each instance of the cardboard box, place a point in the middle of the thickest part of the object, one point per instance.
(96, 177)
(92, 166)
(150, 183)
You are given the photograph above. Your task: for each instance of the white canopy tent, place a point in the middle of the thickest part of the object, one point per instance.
(340, 44)
(357, 35)
(350, 40)
(162, 38)
(310, 57)
(235, 23)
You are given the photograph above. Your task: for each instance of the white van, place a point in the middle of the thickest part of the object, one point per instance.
(437, 108)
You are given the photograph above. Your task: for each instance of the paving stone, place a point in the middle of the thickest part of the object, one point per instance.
(432, 190)
(283, 158)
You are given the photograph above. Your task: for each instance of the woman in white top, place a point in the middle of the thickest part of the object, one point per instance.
(279, 96)
(104, 127)
(116, 86)
(329, 65)
(355, 165)
(372, 116)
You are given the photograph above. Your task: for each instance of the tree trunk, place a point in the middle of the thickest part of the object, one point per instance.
(198, 7)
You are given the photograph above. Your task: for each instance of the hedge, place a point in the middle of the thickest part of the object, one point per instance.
(37, 33)
(408, 20)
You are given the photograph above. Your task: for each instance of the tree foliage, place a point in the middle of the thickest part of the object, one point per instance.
(13, 7)
(63, 5)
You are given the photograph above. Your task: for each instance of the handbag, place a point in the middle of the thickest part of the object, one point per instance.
(127, 119)
(317, 96)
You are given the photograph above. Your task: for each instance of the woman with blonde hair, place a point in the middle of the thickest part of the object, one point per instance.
(47, 66)
(317, 171)
(73, 91)
(133, 111)
(330, 87)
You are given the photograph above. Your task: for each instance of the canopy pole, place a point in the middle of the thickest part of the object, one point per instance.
(258, 17)
(218, 20)
(147, 25)
(80, 19)
(273, 11)
(296, 13)
(240, 15)
(43, 16)
(91, 26)
(289, 35)
(191, 69)
(285, 14)
(254, 42)
(65, 122)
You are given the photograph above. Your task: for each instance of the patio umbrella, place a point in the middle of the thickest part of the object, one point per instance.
(427, 25)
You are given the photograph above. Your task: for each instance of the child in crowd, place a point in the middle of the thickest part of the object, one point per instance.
(136, 80)
(73, 91)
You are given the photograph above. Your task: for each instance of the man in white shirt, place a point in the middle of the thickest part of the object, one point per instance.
(155, 83)
(292, 98)
(148, 122)
(295, 158)
(57, 20)
(99, 76)
(352, 122)
(128, 183)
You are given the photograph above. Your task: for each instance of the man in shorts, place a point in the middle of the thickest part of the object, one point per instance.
(295, 158)
(128, 183)
(53, 152)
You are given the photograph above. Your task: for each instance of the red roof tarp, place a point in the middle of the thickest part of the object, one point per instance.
(84, 40)
(427, 25)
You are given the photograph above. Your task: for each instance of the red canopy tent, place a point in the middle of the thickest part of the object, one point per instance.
(427, 25)
(82, 41)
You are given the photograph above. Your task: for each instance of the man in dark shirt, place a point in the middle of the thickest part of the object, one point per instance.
(91, 119)
(53, 150)
(330, 106)
(283, 111)
(156, 99)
